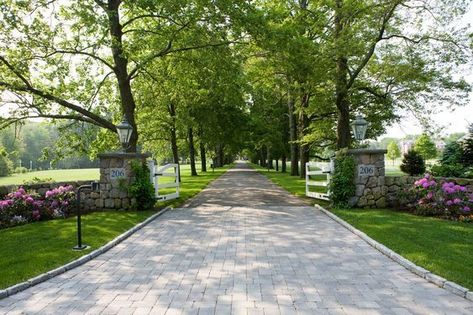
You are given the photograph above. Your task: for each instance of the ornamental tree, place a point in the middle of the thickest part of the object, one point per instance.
(426, 147)
(393, 151)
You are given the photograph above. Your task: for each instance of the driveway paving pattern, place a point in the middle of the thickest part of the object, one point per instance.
(243, 246)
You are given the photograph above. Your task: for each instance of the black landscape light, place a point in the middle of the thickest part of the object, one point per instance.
(359, 127)
(124, 130)
(94, 186)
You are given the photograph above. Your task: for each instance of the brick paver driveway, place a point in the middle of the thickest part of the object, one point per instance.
(242, 247)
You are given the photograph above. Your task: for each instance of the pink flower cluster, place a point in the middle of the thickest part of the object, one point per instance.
(451, 188)
(20, 206)
(426, 182)
(59, 190)
(448, 199)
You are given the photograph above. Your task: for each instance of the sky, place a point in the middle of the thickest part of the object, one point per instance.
(450, 121)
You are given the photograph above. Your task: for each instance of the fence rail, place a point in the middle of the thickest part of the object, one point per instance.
(324, 169)
(157, 174)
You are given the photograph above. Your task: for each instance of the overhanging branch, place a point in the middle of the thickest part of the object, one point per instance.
(97, 120)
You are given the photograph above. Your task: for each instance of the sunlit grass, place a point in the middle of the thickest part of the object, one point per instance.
(56, 175)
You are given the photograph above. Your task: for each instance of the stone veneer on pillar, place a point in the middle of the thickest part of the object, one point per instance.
(115, 176)
(369, 178)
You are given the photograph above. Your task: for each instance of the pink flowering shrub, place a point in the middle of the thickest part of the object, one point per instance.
(59, 201)
(445, 199)
(21, 207)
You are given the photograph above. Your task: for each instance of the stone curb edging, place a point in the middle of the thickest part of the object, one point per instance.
(409, 265)
(79, 261)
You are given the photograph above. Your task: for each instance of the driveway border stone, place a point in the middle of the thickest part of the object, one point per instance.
(409, 265)
(79, 261)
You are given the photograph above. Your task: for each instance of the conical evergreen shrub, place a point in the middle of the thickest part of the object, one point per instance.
(413, 163)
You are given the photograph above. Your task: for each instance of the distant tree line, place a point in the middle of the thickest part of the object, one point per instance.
(32, 146)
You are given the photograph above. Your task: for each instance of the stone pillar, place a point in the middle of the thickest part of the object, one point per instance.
(115, 176)
(369, 178)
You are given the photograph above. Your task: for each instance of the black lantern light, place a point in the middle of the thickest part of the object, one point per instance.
(359, 127)
(124, 130)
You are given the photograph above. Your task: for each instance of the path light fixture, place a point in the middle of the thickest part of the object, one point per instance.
(124, 130)
(94, 186)
(359, 127)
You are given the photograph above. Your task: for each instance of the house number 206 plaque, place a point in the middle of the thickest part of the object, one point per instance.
(365, 170)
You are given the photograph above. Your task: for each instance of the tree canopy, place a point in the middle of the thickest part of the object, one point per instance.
(278, 79)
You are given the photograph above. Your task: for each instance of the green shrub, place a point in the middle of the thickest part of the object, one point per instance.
(6, 166)
(452, 154)
(413, 163)
(468, 173)
(21, 170)
(448, 170)
(342, 184)
(37, 180)
(142, 189)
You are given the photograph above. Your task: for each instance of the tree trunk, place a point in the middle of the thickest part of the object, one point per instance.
(277, 165)
(203, 156)
(303, 124)
(121, 70)
(262, 157)
(174, 149)
(269, 158)
(292, 136)
(220, 156)
(192, 152)
(304, 157)
(283, 164)
(341, 85)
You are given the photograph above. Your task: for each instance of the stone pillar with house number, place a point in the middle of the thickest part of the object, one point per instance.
(116, 175)
(369, 178)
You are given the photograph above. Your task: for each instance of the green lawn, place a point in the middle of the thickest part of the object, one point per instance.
(29, 250)
(442, 247)
(56, 175)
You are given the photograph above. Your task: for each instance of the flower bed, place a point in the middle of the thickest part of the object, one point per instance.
(21, 207)
(446, 199)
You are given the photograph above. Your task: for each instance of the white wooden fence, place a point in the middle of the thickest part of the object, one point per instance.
(163, 177)
(323, 168)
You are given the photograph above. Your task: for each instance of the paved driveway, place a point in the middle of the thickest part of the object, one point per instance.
(243, 246)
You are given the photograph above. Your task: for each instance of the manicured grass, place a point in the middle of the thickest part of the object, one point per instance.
(56, 175)
(29, 250)
(440, 246)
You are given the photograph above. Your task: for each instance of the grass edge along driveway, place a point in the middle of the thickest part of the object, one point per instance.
(32, 249)
(440, 246)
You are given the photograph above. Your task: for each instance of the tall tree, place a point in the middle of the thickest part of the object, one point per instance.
(394, 53)
(72, 61)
